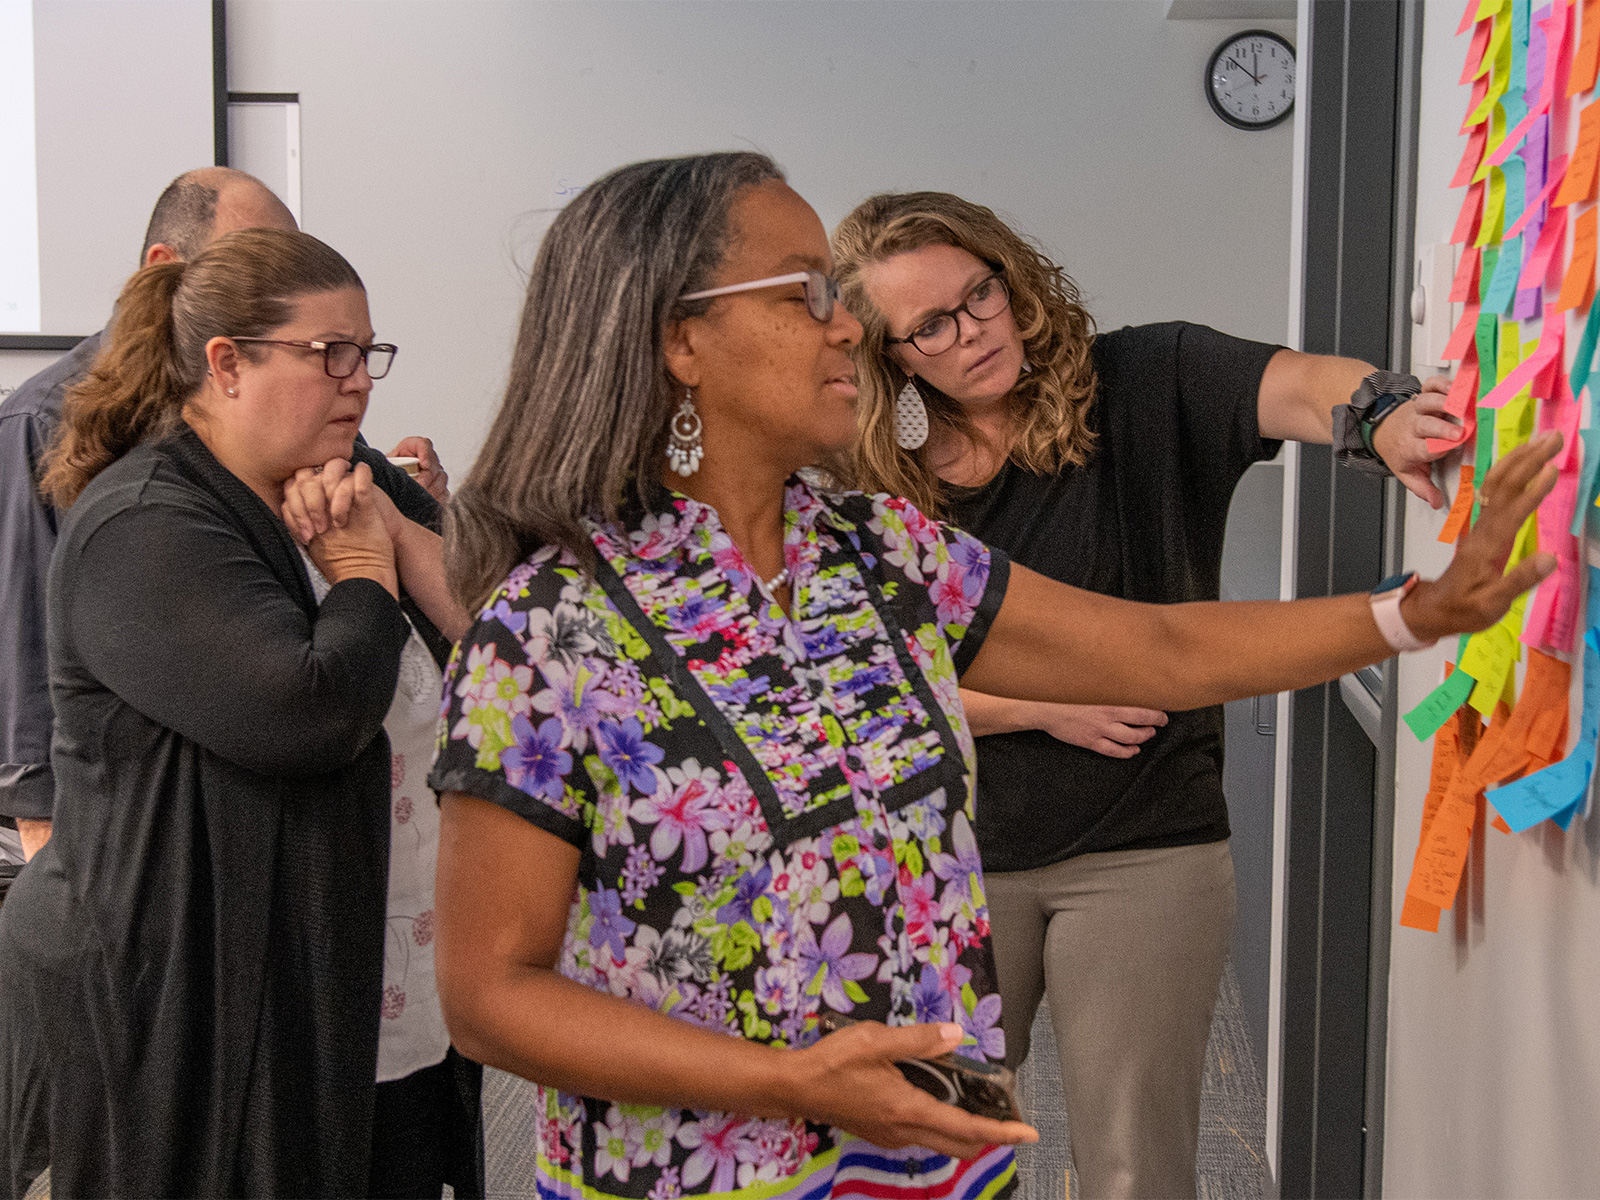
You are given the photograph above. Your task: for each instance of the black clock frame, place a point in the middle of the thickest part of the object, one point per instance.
(1211, 98)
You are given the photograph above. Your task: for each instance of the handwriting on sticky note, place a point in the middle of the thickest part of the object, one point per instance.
(1466, 229)
(1494, 209)
(1464, 287)
(1470, 157)
(1586, 61)
(1520, 376)
(1579, 184)
(1438, 705)
(1456, 521)
(1551, 238)
(1488, 660)
(1578, 287)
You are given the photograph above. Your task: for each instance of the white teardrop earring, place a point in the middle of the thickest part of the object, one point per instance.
(684, 450)
(910, 417)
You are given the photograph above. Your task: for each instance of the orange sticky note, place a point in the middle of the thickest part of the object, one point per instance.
(1460, 510)
(1471, 212)
(1442, 852)
(1579, 184)
(1577, 289)
(1453, 746)
(1586, 61)
(1500, 826)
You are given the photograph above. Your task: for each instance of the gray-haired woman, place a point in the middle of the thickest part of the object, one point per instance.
(707, 783)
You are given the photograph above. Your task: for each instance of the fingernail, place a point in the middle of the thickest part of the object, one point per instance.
(949, 1030)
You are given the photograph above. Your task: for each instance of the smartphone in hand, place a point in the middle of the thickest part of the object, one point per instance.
(984, 1089)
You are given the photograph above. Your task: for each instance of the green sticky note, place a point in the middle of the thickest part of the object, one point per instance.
(1485, 455)
(1487, 336)
(1424, 720)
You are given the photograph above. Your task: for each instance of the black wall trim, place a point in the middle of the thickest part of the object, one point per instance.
(1360, 164)
(39, 341)
(263, 97)
(219, 82)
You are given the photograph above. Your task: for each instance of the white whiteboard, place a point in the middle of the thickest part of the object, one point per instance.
(1494, 1055)
(123, 99)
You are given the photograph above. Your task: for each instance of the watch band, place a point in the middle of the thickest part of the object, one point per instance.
(1354, 424)
(1386, 599)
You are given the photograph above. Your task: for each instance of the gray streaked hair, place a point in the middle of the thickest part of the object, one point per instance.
(584, 419)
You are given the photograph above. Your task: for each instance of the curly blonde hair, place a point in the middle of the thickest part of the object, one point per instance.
(1050, 402)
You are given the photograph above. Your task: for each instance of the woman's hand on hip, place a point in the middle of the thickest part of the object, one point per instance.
(1109, 729)
(849, 1079)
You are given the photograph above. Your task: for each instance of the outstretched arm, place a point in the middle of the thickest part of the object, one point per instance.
(1053, 642)
(1300, 391)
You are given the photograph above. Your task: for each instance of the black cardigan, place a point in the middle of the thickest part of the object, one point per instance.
(202, 938)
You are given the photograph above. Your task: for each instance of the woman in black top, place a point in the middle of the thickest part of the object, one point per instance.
(197, 955)
(1106, 462)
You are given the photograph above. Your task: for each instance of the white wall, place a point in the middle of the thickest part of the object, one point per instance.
(437, 140)
(1494, 1061)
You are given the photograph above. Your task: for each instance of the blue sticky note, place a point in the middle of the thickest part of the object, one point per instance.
(1503, 287)
(1540, 796)
(1583, 360)
(1565, 817)
(1588, 481)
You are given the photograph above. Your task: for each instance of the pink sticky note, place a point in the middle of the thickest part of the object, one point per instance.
(1522, 375)
(1551, 238)
(1463, 335)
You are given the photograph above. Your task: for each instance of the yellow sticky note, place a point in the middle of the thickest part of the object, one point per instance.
(1490, 7)
(1494, 210)
(1488, 659)
(1493, 136)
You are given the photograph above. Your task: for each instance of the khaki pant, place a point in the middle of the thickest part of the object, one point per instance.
(1129, 946)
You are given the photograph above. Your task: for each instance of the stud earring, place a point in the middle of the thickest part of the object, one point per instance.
(684, 450)
(233, 391)
(910, 417)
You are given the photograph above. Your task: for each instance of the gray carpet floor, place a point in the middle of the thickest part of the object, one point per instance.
(1233, 1117)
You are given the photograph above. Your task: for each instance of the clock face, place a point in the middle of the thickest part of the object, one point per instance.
(1250, 79)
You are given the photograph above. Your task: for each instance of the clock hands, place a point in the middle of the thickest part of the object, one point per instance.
(1254, 78)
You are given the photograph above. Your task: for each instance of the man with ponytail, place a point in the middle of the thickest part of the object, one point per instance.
(194, 209)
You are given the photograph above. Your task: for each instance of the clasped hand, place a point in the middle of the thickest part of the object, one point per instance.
(347, 523)
(849, 1079)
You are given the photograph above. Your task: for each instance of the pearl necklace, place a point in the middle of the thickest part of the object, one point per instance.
(777, 581)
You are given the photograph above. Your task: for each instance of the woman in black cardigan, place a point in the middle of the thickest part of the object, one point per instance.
(197, 956)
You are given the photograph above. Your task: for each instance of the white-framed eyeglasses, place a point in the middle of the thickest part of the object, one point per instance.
(822, 291)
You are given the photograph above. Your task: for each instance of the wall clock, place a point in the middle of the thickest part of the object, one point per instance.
(1250, 79)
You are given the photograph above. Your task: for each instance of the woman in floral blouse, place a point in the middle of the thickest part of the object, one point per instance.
(705, 771)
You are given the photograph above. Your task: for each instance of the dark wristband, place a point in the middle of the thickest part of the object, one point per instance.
(1354, 424)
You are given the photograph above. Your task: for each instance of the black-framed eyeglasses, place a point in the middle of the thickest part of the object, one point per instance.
(822, 291)
(340, 359)
(988, 298)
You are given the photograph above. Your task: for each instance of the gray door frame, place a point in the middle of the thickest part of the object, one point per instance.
(1363, 64)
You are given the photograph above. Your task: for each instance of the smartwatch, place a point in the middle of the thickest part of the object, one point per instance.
(1354, 424)
(1386, 599)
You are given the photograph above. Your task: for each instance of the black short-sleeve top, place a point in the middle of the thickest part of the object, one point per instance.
(1175, 421)
(775, 812)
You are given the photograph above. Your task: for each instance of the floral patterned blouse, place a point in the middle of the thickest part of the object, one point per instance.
(775, 813)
